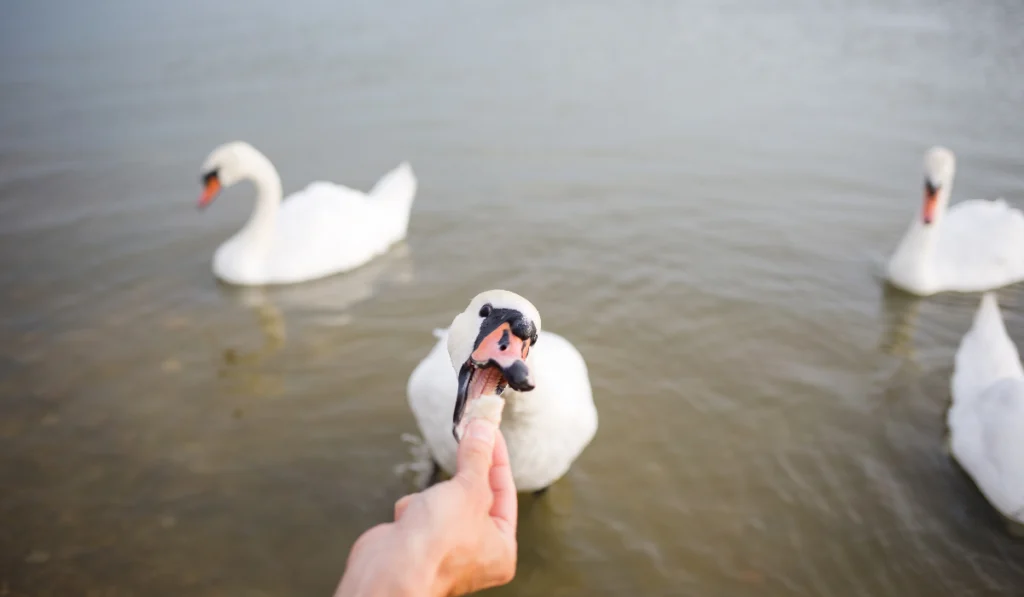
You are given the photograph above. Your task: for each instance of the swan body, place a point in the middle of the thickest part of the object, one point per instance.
(323, 229)
(986, 420)
(976, 245)
(546, 428)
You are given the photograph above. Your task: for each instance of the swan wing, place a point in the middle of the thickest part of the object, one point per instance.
(328, 228)
(981, 246)
(986, 421)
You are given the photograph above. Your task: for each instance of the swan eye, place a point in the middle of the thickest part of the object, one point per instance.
(485, 310)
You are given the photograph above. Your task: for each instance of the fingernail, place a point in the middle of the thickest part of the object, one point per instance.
(481, 429)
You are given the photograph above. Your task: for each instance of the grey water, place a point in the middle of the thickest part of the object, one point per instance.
(698, 194)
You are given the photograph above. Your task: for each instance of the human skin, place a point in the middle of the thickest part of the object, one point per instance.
(454, 538)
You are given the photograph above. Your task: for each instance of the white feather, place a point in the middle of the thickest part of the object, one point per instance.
(986, 420)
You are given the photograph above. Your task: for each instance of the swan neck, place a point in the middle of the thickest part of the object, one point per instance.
(268, 197)
(943, 204)
(921, 238)
(913, 258)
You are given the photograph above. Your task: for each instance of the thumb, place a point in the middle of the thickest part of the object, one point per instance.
(476, 452)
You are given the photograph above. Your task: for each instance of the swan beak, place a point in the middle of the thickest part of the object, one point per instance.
(211, 188)
(931, 199)
(498, 360)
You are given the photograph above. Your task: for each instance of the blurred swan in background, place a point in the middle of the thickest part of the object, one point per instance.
(986, 420)
(323, 229)
(975, 246)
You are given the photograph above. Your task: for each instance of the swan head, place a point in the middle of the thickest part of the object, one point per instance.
(488, 344)
(227, 165)
(939, 166)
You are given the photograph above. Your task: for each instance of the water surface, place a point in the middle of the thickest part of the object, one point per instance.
(708, 189)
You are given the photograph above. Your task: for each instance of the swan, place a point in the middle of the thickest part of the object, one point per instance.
(496, 346)
(976, 245)
(323, 229)
(986, 420)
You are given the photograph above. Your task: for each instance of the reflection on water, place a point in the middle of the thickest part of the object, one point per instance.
(901, 312)
(329, 300)
(693, 193)
(901, 315)
(244, 366)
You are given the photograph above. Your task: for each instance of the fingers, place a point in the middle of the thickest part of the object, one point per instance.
(401, 505)
(505, 509)
(476, 452)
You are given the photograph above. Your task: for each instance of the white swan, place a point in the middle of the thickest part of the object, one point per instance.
(977, 245)
(986, 420)
(546, 427)
(321, 230)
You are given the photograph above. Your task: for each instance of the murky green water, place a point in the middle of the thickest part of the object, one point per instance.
(709, 188)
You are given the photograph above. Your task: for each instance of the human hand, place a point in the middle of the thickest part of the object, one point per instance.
(457, 537)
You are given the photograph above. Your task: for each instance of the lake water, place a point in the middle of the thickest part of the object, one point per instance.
(709, 190)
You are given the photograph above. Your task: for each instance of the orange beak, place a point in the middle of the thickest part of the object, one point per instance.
(210, 191)
(931, 200)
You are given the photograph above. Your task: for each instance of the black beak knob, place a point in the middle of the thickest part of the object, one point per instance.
(518, 376)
